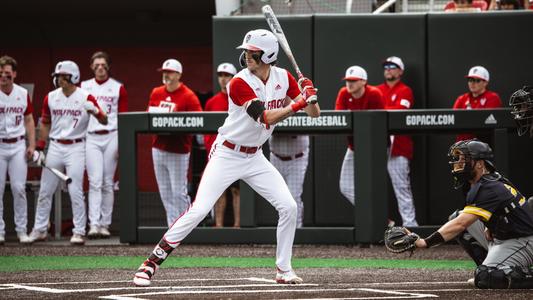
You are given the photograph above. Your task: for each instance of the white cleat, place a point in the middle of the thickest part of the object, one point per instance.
(104, 232)
(93, 233)
(77, 239)
(2, 239)
(24, 238)
(287, 277)
(144, 274)
(36, 236)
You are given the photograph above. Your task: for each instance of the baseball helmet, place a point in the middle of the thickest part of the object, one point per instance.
(67, 67)
(521, 103)
(261, 40)
(462, 154)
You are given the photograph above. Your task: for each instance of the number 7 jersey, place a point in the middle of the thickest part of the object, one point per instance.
(68, 117)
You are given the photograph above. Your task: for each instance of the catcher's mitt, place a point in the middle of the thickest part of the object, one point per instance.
(399, 239)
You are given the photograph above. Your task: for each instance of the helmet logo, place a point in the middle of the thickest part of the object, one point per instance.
(474, 71)
(248, 37)
(59, 66)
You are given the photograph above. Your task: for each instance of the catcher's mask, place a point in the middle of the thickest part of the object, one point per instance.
(521, 103)
(463, 155)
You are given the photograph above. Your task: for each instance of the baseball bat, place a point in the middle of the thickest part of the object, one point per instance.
(274, 25)
(58, 173)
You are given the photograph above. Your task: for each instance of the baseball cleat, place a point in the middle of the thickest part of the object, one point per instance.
(24, 238)
(287, 277)
(144, 274)
(104, 232)
(77, 239)
(2, 239)
(93, 233)
(36, 236)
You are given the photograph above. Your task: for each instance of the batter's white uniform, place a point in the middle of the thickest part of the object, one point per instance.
(102, 148)
(68, 129)
(13, 108)
(290, 155)
(236, 155)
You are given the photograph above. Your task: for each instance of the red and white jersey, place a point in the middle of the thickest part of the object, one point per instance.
(13, 108)
(239, 128)
(68, 117)
(486, 100)
(112, 98)
(288, 145)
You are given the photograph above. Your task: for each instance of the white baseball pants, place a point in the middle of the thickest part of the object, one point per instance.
(102, 156)
(13, 161)
(398, 167)
(225, 167)
(346, 181)
(293, 172)
(171, 175)
(72, 158)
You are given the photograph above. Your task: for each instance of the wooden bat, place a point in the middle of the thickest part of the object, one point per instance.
(274, 25)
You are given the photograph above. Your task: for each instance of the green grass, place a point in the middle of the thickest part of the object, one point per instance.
(34, 263)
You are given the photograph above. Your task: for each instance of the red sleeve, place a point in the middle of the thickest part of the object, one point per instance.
(459, 103)
(91, 98)
(339, 103)
(294, 90)
(376, 99)
(194, 103)
(122, 100)
(152, 101)
(240, 92)
(405, 98)
(45, 114)
(493, 101)
(29, 107)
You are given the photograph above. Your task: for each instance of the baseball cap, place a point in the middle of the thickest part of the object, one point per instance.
(394, 60)
(355, 73)
(478, 72)
(226, 68)
(171, 65)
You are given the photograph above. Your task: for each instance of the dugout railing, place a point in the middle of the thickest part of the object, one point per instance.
(370, 130)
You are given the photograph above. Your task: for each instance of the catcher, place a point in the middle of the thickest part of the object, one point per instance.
(495, 227)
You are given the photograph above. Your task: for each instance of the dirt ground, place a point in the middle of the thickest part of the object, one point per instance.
(246, 283)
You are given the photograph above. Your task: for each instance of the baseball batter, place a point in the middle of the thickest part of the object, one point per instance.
(290, 155)
(397, 95)
(259, 97)
(219, 102)
(65, 117)
(171, 153)
(356, 95)
(496, 215)
(478, 97)
(102, 144)
(16, 123)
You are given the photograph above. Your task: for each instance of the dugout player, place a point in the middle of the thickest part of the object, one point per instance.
(102, 144)
(260, 96)
(16, 124)
(219, 102)
(355, 95)
(397, 95)
(478, 97)
(496, 215)
(65, 116)
(171, 153)
(521, 103)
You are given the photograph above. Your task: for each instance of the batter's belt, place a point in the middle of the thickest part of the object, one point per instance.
(243, 149)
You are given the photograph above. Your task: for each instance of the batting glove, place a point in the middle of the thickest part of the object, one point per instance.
(90, 107)
(38, 157)
(308, 90)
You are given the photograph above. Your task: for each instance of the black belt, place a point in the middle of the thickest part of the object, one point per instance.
(243, 149)
(12, 140)
(287, 158)
(68, 142)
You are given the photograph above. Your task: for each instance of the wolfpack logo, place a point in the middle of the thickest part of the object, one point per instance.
(491, 120)
(167, 64)
(59, 66)
(393, 97)
(248, 37)
(272, 104)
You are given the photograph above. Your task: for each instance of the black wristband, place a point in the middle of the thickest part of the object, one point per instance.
(434, 239)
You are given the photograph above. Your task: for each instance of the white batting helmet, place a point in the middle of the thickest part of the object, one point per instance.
(68, 67)
(264, 40)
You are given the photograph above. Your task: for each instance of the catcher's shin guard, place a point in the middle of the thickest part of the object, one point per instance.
(472, 247)
(503, 278)
(146, 271)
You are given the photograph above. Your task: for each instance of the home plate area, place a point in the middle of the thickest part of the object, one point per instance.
(204, 284)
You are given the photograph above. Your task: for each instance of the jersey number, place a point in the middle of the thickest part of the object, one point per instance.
(109, 108)
(75, 122)
(18, 120)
